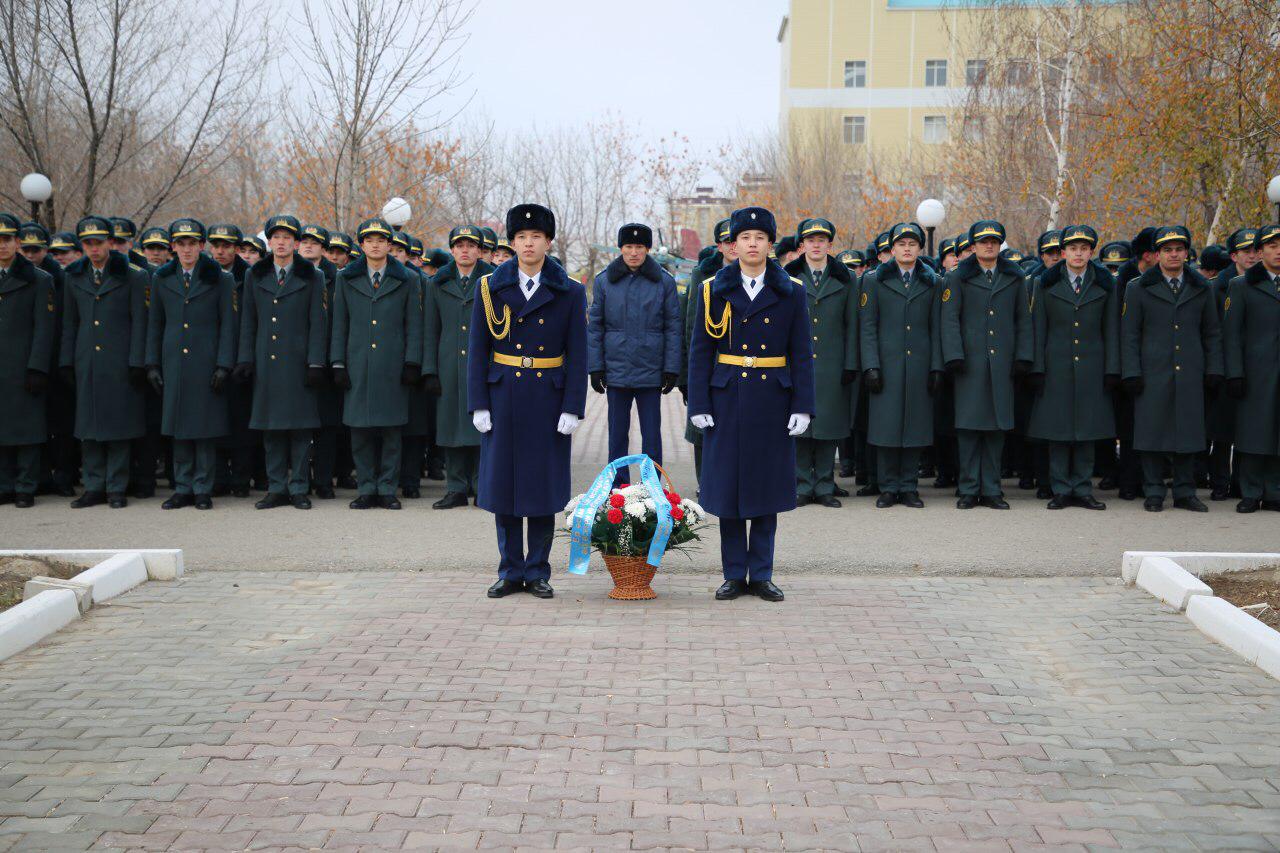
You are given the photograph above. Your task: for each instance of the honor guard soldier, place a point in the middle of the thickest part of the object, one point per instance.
(376, 352)
(252, 249)
(1171, 355)
(947, 259)
(1075, 365)
(787, 250)
(901, 357)
(418, 446)
(235, 450)
(724, 254)
(1252, 318)
(123, 232)
(488, 243)
(502, 252)
(191, 348)
(751, 393)
(1128, 469)
(60, 465)
(884, 247)
(527, 389)
(447, 316)
(103, 352)
(283, 324)
(339, 249)
(832, 296)
(155, 246)
(416, 252)
(65, 249)
(635, 342)
(1115, 255)
(986, 341)
(325, 451)
(28, 332)
(1220, 416)
(1048, 250)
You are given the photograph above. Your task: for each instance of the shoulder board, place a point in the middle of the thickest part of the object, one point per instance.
(136, 267)
(796, 280)
(708, 280)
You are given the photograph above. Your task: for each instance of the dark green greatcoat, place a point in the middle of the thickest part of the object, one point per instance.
(329, 396)
(1077, 344)
(447, 313)
(833, 312)
(104, 333)
(900, 338)
(282, 333)
(422, 406)
(1172, 343)
(703, 271)
(28, 332)
(190, 334)
(988, 327)
(1251, 338)
(1220, 415)
(376, 332)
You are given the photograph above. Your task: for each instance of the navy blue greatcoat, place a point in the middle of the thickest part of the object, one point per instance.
(524, 461)
(748, 459)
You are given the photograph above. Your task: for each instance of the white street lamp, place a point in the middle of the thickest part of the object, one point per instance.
(36, 189)
(930, 213)
(1273, 194)
(397, 212)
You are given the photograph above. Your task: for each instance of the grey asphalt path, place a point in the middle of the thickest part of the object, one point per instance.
(856, 539)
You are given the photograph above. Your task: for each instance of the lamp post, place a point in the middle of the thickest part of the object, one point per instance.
(397, 212)
(36, 189)
(1273, 194)
(930, 213)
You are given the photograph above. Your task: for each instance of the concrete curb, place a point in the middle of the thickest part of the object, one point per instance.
(163, 564)
(26, 624)
(113, 576)
(1232, 627)
(1199, 563)
(1169, 582)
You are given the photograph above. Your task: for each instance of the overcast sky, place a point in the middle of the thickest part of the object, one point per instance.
(665, 65)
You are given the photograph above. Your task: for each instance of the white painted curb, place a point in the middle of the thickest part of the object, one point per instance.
(163, 564)
(1231, 626)
(26, 624)
(1200, 563)
(1167, 581)
(1269, 657)
(114, 575)
(37, 585)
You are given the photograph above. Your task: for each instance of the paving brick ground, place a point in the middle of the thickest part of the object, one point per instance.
(403, 710)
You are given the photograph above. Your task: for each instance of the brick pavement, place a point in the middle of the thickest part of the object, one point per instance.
(403, 710)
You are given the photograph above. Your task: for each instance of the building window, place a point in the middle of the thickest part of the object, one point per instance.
(935, 72)
(1017, 72)
(855, 74)
(855, 130)
(974, 128)
(975, 72)
(935, 129)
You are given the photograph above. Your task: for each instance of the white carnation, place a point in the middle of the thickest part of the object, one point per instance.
(635, 509)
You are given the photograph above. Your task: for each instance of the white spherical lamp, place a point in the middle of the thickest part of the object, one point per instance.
(397, 212)
(930, 213)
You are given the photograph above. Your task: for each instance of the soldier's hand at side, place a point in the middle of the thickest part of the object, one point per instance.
(1212, 382)
(481, 421)
(797, 424)
(955, 367)
(1035, 383)
(874, 380)
(315, 376)
(1134, 386)
(341, 378)
(668, 382)
(35, 382)
(411, 375)
(848, 377)
(218, 381)
(597, 382)
(684, 394)
(568, 423)
(1235, 388)
(702, 421)
(934, 382)
(431, 384)
(1021, 367)
(67, 375)
(1110, 382)
(154, 378)
(243, 372)
(137, 377)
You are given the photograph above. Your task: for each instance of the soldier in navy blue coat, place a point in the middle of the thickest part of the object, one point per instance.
(527, 389)
(751, 392)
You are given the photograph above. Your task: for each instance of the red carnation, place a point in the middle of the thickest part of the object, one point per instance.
(616, 499)
(615, 516)
(673, 498)
(677, 513)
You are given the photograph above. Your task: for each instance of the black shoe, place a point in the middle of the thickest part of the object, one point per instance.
(117, 501)
(411, 493)
(504, 588)
(868, 490)
(1220, 494)
(1153, 504)
(451, 500)
(1090, 502)
(271, 501)
(1127, 494)
(765, 590)
(911, 499)
(1044, 493)
(1026, 483)
(996, 502)
(730, 590)
(437, 474)
(539, 589)
(829, 501)
(1193, 504)
(1106, 484)
(240, 492)
(300, 501)
(966, 501)
(142, 493)
(89, 499)
(1249, 505)
(927, 471)
(178, 501)
(325, 494)
(846, 471)
(803, 500)
(947, 482)
(362, 502)
(389, 502)
(348, 482)
(1057, 502)
(24, 500)
(840, 492)
(886, 500)
(204, 502)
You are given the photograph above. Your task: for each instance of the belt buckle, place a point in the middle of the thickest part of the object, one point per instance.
(526, 361)
(749, 361)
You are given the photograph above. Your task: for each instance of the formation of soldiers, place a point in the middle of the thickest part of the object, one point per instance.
(312, 360)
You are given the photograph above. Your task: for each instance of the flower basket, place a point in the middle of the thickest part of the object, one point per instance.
(631, 527)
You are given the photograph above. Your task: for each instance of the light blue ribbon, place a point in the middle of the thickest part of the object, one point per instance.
(584, 514)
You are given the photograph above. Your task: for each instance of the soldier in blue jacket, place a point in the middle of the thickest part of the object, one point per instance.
(634, 341)
(751, 392)
(527, 388)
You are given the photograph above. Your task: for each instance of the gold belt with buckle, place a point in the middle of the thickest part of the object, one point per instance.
(527, 361)
(752, 360)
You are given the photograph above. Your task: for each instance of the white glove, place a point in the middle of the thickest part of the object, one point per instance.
(702, 421)
(481, 420)
(798, 424)
(568, 423)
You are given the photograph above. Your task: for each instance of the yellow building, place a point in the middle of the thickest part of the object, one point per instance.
(885, 75)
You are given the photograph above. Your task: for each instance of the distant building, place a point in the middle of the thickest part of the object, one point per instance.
(694, 217)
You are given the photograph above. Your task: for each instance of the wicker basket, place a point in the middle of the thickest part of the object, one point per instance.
(631, 578)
